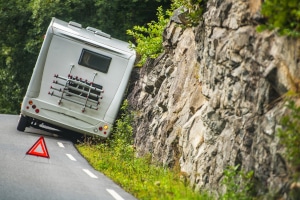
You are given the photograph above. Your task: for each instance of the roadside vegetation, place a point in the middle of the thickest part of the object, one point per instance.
(139, 176)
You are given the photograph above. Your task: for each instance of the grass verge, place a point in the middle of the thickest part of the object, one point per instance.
(137, 175)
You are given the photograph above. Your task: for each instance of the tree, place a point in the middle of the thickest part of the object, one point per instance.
(24, 23)
(13, 58)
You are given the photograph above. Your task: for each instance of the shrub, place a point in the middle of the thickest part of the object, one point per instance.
(282, 15)
(122, 134)
(149, 39)
(194, 10)
(238, 183)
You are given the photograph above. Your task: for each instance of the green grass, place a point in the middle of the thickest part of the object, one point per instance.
(137, 175)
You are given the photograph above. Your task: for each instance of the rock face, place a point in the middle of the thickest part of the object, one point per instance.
(214, 97)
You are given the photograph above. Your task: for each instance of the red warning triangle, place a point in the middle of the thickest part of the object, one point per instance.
(39, 149)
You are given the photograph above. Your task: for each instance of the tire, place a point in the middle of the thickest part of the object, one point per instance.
(22, 123)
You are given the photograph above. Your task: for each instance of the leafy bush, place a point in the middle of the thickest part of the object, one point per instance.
(149, 39)
(193, 8)
(239, 184)
(122, 134)
(282, 15)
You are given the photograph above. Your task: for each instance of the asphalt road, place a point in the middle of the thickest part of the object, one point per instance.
(65, 175)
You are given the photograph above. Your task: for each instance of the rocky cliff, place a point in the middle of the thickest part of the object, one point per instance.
(214, 97)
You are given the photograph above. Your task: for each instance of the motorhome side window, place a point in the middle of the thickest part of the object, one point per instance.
(94, 60)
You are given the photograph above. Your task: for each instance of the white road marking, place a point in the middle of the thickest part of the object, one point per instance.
(114, 194)
(89, 173)
(70, 157)
(60, 144)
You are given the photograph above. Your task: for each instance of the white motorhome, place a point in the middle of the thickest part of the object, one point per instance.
(79, 80)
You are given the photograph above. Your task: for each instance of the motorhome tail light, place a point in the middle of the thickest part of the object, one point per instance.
(105, 127)
(33, 106)
(30, 102)
(37, 110)
(100, 128)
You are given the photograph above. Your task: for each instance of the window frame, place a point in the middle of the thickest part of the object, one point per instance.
(101, 67)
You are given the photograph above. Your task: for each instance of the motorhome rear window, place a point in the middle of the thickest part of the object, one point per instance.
(94, 60)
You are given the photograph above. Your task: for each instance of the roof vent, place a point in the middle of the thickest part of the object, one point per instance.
(92, 29)
(75, 24)
(100, 33)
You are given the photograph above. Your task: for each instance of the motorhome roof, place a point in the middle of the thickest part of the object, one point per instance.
(90, 35)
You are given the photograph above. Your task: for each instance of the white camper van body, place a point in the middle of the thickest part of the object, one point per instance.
(79, 80)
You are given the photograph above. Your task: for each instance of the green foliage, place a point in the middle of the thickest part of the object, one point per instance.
(149, 39)
(239, 184)
(14, 61)
(195, 10)
(138, 177)
(116, 159)
(282, 15)
(289, 134)
(122, 134)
